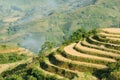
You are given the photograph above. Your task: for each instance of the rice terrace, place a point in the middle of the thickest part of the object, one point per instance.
(59, 40)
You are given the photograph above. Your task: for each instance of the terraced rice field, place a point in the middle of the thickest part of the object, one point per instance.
(87, 55)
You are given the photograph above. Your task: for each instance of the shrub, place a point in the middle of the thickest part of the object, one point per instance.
(114, 76)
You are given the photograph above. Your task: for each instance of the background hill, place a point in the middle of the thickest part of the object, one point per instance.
(55, 24)
(27, 10)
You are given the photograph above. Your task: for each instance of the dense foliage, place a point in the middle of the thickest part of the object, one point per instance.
(11, 57)
(112, 73)
(78, 35)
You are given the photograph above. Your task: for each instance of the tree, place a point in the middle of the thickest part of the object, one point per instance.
(46, 46)
(77, 35)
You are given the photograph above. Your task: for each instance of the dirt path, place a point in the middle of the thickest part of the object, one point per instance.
(69, 50)
(96, 51)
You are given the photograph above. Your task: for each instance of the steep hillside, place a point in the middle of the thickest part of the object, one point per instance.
(92, 58)
(58, 25)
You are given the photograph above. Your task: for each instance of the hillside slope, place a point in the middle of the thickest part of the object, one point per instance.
(77, 61)
(58, 26)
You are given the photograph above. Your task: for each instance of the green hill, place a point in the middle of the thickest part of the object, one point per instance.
(57, 26)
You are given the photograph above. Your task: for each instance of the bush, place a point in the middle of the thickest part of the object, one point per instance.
(112, 73)
(78, 35)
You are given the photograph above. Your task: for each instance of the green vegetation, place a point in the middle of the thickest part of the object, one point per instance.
(65, 62)
(68, 62)
(27, 73)
(59, 26)
(5, 47)
(11, 57)
(45, 64)
(114, 69)
(112, 73)
(47, 46)
(95, 53)
(78, 35)
(70, 65)
(107, 40)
